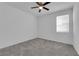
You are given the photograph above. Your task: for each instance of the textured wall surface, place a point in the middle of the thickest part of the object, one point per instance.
(76, 26)
(47, 27)
(15, 26)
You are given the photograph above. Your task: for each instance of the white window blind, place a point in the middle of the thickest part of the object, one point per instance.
(62, 23)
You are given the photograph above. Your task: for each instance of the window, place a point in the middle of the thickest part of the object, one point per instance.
(62, 23)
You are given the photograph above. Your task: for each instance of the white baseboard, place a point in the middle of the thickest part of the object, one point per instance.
(76, 48)
(18, 41)
(49, 38)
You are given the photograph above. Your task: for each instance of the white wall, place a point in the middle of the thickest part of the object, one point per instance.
(15, 26)
(47, 27)
(76, 26)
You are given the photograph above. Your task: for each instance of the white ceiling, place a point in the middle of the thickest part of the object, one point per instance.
(54, 6)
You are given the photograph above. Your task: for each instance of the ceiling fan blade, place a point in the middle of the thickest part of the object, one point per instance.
(34, 7)
(46, 3)
(39, 10)
(39, 3)
(46, 8)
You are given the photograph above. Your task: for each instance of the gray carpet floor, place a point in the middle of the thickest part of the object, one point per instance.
(39, 47)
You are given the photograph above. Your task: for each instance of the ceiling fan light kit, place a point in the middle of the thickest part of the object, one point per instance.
(40, 7)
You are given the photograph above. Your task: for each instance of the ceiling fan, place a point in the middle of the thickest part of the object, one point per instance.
(41, 6)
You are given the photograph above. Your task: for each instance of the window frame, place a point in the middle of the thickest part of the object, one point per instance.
(65, 30)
